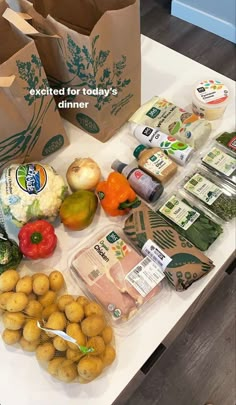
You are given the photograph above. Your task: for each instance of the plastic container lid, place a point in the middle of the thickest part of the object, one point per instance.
(138, 150)
(211, 94)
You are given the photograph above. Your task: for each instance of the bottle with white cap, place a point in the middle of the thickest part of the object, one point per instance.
(178, 151)
(143, 184)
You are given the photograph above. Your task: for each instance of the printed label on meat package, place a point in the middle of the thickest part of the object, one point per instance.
(152, 250)
(98, 260)
(145, 276)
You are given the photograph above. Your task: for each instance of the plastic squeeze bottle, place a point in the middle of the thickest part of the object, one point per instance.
(155, 162)
(147, 188)
(178, 151)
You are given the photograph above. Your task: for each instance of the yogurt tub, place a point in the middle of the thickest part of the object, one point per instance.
(210, 99)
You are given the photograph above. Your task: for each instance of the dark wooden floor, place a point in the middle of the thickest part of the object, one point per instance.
(200, 45)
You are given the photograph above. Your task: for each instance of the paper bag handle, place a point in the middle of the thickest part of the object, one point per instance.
(7, 81)
(19, 20)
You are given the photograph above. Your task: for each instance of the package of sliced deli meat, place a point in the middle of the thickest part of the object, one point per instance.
(114, 273)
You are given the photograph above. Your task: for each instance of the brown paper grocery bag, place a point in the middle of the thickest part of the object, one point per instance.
(30, 125)
(97, 51)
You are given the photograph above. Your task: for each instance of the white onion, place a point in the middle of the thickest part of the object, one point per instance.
(83, 174)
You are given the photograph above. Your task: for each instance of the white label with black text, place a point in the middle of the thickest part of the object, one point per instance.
(152, 250)
(145, 276)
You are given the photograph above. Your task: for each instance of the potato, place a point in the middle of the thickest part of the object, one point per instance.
(35, 275)
(56, 280)
(34, 309)
(93, 325)
(47, 299)
(8, 280)
(82, 300)
(31, 331)
(90, 367)
(10, 337)
(17, 302)
(29, 346)
(25, 285)
(60, 344)
(74, 331)
(41, 284)
(49, 310)
(63, 301)
(74, 355)
(3, 299)
(72, 328)
(107, 334)
(108, 356)
(56, 320)
(13, 320)
(54, 364)
(74, 312)
(97, 343)
(45, 352)
(83, 381)
(67, 371)
(93, 309)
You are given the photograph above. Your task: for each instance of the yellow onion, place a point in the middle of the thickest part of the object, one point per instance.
(83, 174)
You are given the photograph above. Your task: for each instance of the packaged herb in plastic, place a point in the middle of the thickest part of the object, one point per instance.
(216, 195)
(220, 162)
(190, 221)
(228, 140)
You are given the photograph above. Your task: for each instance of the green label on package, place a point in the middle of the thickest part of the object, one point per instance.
(220, 161)
(203, 188)
(179, 212)
(157, 163)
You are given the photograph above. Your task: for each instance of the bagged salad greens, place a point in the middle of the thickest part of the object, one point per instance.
(217, 196)
(191, 222)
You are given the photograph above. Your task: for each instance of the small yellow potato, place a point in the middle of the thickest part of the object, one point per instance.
(34, 309)
(97, 343)
(56, 280)
(47, 299)
(57, 321)
(93, 325)
(63, 301)
(41, 284)
(13, 320)
(74, 355)
(82, 300)
(49, 311)
(29, 346)
(92, 308)
(4, 298)
(45, 352)
(107, 334)
(8, 280)
(108, 356)
(74, 312)
(10, 337)
(35, 275)
(74, 330)
(90, 367)
(17, 302)
(67, 371)
(25, 285)
(54, 364)
(60, 344)
(31, 331)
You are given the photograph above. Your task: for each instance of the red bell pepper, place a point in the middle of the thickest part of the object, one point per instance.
(37, 239)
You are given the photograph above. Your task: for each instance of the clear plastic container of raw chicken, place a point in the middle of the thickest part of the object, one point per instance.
(111, 271)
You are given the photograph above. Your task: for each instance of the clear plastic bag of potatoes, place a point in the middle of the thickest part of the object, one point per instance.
(70, 335)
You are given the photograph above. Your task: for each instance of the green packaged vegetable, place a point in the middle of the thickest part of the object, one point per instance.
(218, 197)
(10, 255)
(220, 163)
(191, 222)
(228, 139)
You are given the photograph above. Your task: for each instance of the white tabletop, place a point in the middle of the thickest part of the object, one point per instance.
(22, 380)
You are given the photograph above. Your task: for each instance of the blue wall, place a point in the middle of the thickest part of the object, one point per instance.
(217, 16)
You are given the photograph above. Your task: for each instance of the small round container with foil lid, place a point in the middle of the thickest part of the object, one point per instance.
(210, 99)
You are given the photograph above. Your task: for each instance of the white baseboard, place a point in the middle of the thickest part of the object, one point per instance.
(204, 20)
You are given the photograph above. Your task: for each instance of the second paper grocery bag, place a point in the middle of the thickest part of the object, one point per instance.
(97, 61)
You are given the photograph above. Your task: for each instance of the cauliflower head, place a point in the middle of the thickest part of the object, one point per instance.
(31, 191)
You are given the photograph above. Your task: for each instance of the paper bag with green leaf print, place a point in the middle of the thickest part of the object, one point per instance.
(30, 125)
(96, 59)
